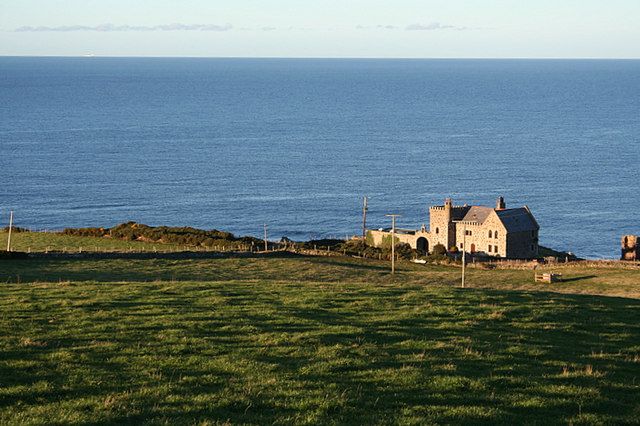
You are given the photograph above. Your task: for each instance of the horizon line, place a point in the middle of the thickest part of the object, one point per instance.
(93, 56)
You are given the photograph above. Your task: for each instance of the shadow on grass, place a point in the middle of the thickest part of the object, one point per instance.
(146, 267)
(585, 277)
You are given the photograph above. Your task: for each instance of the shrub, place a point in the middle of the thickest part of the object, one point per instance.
(86, 232)
(404, 251)
(353, 247)
(15, 229)
(439, 250)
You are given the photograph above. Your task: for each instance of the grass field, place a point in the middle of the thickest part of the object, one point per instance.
(309, 340)
(49, 241)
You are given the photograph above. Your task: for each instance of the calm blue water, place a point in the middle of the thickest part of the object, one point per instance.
(235, 143)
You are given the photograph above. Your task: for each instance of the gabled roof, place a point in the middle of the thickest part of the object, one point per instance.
(518, 220)
(477, 214)
(514, 220)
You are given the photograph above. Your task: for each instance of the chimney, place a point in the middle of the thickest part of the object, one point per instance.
(500, 204)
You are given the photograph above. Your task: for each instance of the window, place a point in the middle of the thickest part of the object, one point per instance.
(495, 234)
(461, 245)
(495, 248)
(468, 232)
(437, 230)
(489, 246)
(490, 234)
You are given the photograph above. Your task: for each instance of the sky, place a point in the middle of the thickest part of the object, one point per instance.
(327, 28)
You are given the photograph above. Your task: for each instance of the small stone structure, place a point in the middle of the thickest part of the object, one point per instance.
(495, 232)
(547, 278)
(630, 247)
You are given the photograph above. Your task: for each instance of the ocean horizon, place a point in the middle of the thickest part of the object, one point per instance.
(234, 143)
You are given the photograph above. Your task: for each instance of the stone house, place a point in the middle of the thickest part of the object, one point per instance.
(497, 232)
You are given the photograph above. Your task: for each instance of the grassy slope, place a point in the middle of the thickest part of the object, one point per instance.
(42, 241)
(312, 340)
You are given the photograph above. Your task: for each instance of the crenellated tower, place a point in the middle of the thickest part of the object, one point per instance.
(441, 224)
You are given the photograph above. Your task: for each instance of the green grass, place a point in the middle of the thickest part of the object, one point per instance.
(49, 241)
(308, 340)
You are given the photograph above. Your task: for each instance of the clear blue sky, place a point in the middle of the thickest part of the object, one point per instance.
(327, 28)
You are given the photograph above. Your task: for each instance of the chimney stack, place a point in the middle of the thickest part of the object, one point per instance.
(500, 204)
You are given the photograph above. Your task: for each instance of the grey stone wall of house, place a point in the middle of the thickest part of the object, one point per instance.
(522, 245)
(489, 238)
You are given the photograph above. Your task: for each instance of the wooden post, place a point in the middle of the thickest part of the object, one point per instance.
(464, 249)
(365, 207)
(10, 228)
(393, 241)
(266, 244)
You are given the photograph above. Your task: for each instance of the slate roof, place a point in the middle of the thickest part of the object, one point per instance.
(514, 220)
(518, 220)
(477, 214)
(458, 212)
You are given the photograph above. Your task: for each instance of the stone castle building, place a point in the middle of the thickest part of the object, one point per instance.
(497, 232)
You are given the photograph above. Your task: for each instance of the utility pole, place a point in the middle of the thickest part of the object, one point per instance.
(266, 244)
(464, 250)
(464, 246)
(10, 227)
(365, 207)
(393, 241)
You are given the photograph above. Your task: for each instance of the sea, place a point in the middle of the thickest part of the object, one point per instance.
(234, 144)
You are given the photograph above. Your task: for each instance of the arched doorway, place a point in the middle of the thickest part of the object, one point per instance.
(422, 245)
(473, 248)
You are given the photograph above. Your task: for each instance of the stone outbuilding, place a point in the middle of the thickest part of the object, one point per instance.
(630, 247)
(497, 232)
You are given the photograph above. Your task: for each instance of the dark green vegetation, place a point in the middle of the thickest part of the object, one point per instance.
(312, 340)
(132, 231)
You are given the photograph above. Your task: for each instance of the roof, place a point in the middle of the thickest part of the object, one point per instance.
(518, 220)
(458, 212)
(514, 220)
(477, 214)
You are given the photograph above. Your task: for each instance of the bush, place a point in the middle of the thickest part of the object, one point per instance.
(86, 232)
(403, 251)
(439, 250)
(132, 231)
(15, 229)
(353, 247)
